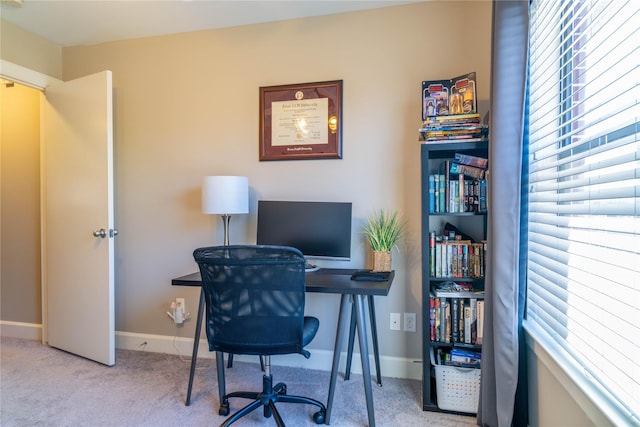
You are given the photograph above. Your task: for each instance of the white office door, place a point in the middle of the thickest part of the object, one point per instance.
(77, 202)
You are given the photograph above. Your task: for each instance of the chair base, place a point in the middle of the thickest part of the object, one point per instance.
(267, 399)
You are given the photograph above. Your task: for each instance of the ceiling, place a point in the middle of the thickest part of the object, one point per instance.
(86, 22)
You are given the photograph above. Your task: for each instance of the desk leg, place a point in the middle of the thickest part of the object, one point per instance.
(361, 326)
(374, 337)
(342, 323)
(196, 342)
(352, 335)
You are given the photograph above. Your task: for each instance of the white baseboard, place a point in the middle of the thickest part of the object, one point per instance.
(394, 367)
(27, 331)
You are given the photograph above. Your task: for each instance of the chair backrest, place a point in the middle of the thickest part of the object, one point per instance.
(254, 297)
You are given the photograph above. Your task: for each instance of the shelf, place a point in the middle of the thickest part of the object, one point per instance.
(457, 213)
(439, 344)
(457, 146)
(457, 279)
(432, 155)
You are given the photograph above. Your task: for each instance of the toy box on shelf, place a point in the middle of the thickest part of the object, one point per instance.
(449, 97)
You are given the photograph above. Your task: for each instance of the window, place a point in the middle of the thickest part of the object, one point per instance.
(583, 260)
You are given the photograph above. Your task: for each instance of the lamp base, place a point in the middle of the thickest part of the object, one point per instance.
(225, 222)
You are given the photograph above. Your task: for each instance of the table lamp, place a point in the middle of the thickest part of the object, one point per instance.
(225, 195)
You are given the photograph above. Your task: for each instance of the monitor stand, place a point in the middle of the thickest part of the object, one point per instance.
(310, 268)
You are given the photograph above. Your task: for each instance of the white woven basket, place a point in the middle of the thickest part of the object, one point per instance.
(458, 389)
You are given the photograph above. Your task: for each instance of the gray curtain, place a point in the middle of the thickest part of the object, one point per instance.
(501, 353)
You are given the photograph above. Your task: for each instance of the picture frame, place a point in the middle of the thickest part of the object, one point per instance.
(301, 121)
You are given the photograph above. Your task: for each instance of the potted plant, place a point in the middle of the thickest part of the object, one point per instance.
(383, 231)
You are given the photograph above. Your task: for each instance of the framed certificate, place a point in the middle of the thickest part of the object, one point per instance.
(301, 121)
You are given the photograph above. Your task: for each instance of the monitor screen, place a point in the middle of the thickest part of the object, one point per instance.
(318, 229)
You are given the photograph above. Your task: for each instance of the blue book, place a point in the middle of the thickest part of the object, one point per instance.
(432, 192)
(443, 203)
(436, 194)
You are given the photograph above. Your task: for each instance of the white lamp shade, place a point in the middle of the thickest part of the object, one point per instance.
(225, 195)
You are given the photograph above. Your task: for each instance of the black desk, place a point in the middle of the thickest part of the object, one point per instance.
(328, 281)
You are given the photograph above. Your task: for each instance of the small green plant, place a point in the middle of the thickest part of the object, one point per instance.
(384, 230)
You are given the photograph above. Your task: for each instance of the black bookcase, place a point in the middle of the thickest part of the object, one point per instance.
(472, 223)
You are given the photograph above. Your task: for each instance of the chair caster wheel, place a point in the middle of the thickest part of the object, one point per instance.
(281, 389)
(224, 409)
(318, 417)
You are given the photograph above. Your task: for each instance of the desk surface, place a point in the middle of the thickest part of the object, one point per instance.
(325, 280)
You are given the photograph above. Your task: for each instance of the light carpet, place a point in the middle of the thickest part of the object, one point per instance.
(43, 386)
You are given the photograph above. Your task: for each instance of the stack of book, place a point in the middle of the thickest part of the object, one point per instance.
(456, 258)
(460, 185)
(459, 357)
(456, 317)
(453, 128)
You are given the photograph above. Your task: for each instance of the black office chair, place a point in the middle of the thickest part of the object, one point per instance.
(255, 299)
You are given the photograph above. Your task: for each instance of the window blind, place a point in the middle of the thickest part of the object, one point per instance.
(583, 265)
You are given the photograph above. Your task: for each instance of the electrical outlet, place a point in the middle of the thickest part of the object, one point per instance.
(179, 311)
(410, 322)
(180, 303)
(394, 319)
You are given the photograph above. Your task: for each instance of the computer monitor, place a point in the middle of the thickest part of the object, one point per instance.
(320, 230)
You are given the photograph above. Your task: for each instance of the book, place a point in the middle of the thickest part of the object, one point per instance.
(446, 320)
(482, 197)
(432, 192)
(432, 253)
(479, 295)
(437, 319)
(454, 258)
(461, 355)
(452, 140)
(455, 320)
(467, 159)
(467, 323)
(436, 193)
(454, 118)
(473, 306)
(445, 167)
(468, 170)
(464, 358)
(442, 193)
(432, 318)
(447, 260)
(438, 257)
(461, 322)
(480, 322)
(451, 204)
(465, 260)
(460, 198)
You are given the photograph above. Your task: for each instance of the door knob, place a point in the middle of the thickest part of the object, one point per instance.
(103, 233)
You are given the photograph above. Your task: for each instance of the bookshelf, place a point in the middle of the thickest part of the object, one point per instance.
(468, 274)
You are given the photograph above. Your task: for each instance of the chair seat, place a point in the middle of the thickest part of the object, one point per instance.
(250, 335)
(310, 328)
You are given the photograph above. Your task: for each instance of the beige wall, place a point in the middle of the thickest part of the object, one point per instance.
(555, 400)
(29, 50)
(20, 204)
(187, 106)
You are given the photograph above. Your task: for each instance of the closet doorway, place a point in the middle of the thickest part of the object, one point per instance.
(76, 220)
